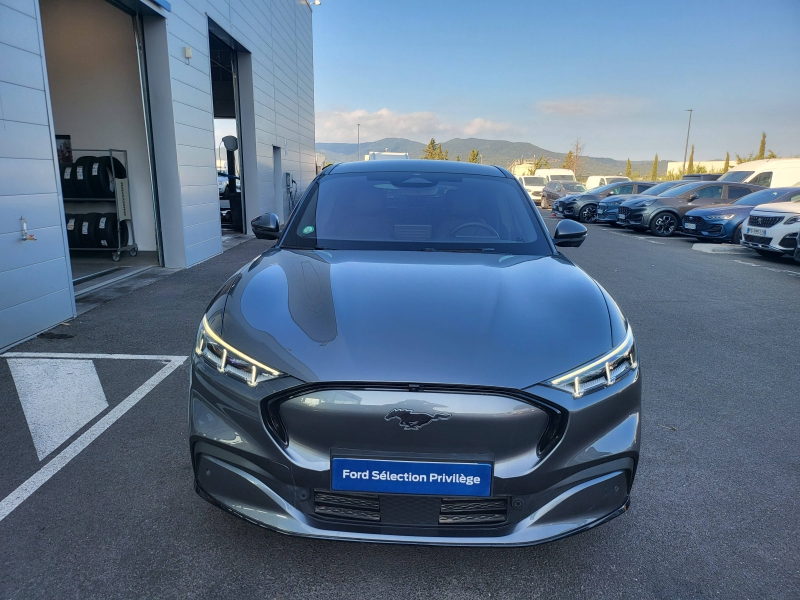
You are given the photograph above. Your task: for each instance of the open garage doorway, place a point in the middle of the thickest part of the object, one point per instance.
(94, 59)
(227, 135)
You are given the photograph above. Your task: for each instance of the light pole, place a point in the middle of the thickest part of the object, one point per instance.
(686, 148)
(358, 145)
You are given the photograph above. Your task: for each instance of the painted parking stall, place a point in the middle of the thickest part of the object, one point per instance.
(411, 477)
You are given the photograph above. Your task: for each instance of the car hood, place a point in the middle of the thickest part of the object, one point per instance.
(778, 207)
(479, 319)
(721, 208)
(620, 198)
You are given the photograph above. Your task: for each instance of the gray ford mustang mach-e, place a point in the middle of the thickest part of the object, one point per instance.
(415, 362)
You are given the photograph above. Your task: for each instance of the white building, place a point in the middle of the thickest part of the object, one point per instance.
(386, 156)
(147, 82)
(710, 166)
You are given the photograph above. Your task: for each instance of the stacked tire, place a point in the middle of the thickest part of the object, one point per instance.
(91, 177)
(95, 230)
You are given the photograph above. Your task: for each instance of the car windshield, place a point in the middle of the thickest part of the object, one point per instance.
(534, 180)
(562, 178)
(736, 176)
(681, 189)
(660, 188)
(760, 197)
(572, 186)
(616, 179)
(452, 212)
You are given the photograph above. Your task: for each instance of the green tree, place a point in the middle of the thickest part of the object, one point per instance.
(727, 164)
(654, 170)
(538, 163)
(433, 151)
(628, 168)
(690, 168)
(762, 147)
(458, 158)
(569, 161)
(474, 156)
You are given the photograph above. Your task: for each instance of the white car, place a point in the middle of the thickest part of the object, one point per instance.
(769, 172)
(533, 184)
(596, 181)
(773, 229)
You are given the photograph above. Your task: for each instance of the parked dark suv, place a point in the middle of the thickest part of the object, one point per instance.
(608, 208)
(555, 190)
(663, 214)
(583, 207)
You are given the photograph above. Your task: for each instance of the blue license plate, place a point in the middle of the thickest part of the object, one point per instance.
(411, 477)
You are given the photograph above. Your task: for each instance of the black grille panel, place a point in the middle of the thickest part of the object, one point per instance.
(757, 239)
(398, 509)
(692, 219)
(758, 221)
(624, 211)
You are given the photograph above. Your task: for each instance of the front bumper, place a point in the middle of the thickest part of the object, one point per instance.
(779, 238)
(607, 213)
(582, 478)
(713, 229)
(633, 217)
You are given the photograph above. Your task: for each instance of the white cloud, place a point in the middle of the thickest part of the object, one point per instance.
(340, 126)
(592, 106)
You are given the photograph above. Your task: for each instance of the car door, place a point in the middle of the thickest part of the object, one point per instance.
(703, 196)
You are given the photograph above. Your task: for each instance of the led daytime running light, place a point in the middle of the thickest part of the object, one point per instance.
(228, 349)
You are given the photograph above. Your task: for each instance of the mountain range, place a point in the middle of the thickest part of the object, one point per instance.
(494, 152)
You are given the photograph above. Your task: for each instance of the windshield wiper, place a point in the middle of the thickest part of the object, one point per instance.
(458, 249)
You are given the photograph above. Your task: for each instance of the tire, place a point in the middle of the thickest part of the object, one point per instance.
(65, 170)
(101, 178)
(588, 214)
(72, 229)
(663, 224)
(768, 254)
(736, 238)
(80, 177)
(797, 254)
(87, 234)
(106, 230)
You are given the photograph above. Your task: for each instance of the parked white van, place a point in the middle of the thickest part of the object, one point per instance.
(596, 181)
(533, 184)
(770, 172)
(555, 174)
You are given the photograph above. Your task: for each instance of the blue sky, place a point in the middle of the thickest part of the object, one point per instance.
(617, 75)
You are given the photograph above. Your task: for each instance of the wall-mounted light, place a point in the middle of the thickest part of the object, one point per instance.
(187, 53)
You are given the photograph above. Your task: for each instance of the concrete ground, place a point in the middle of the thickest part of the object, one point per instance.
(714, 510)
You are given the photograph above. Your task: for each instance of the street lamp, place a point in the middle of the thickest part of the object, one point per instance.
(358, 145)
(686, 148)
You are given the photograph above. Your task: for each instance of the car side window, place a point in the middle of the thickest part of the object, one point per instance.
(642, 187)
(763, 179)
(712, 191)
(624, 189)
(735, 192)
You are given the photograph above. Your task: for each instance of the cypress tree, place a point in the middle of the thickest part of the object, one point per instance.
(654, 170)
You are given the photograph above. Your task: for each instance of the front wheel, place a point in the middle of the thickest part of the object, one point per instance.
(664, 225)
(736, 238)
(588, 214)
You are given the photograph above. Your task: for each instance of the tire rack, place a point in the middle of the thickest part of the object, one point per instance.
(116, 253)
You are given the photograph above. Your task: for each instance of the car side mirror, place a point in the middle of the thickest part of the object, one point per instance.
(266, 227)
(692, 197)
(569, 234)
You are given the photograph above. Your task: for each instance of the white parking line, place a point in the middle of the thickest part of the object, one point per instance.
(635, 237)
(791, 272)
(38, 479)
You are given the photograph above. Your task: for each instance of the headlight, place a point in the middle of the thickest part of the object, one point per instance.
(647, 202)
(227, 359)
(791, 220)
(602, 372)
(720, 217)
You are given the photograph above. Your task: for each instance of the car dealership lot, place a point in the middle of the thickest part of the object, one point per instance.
(714, 506)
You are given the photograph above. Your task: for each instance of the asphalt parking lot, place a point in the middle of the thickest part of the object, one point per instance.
(96, 496)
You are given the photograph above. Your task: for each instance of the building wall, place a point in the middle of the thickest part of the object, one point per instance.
(35, 276)
(278, 36)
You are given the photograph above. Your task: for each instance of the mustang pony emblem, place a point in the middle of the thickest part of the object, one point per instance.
(412, 421)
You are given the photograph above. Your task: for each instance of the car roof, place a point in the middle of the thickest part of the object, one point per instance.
(418, 166)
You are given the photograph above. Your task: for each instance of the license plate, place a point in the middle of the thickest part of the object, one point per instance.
(756, 231)
(411, 477)
(689, 226)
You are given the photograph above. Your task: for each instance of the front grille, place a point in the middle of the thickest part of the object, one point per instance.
(759, 221)
(398, 509)
(757, 239)
(624, 211)
(691, 219)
